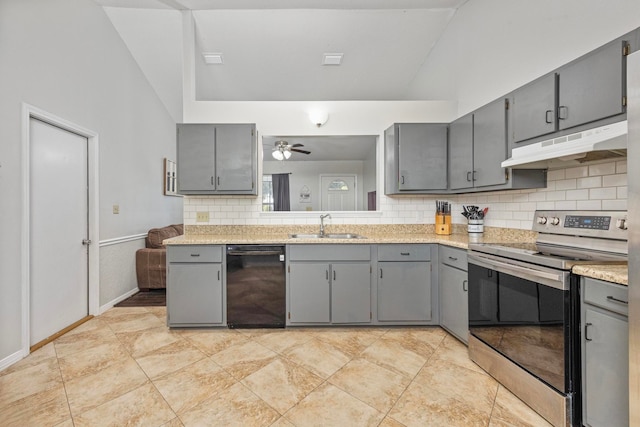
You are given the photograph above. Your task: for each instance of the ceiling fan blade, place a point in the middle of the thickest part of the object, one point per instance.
(301, 151)
(298, 145)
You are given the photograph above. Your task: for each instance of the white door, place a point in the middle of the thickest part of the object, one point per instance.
(338, 193)
(58, 225)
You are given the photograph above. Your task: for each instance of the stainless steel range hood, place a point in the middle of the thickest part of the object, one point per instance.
(604, 142)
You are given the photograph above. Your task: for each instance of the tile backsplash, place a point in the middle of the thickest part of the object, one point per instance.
(591, 186)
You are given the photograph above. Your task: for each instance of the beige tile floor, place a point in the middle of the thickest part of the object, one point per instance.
(126, 367)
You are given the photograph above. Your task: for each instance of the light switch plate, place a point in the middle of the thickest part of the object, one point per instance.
(202, 216)
(116, 209)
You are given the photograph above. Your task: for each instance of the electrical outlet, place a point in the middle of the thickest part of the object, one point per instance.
(116, 209)
(202, 216)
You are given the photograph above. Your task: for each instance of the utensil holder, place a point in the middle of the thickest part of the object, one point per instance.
(443, 224)
(476, 226)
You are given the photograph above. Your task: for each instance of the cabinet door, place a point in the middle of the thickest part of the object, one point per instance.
(461, 153)
(489, 144)
(309, 293)
(606, 380)
(593, 87)
(351, 293)
(194, 294)
(454, 301)
(235, 157)
(196, 157)
(404, 291)
(422, 152)
(534, 109)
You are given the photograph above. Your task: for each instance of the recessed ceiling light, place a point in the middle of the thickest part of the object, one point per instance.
(212, 58)
(332, 58)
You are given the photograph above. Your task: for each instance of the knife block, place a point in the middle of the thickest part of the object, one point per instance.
(443, 224)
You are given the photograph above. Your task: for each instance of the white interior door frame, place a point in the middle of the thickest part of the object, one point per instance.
(28, 112)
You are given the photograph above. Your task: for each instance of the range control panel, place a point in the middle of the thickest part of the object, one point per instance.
(603, 224)
(592, 222)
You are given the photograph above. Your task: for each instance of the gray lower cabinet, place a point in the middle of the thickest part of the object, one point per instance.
(605, 354)
(404, 284)
(217, 159)
(454, 299)
(329, 284)
(195, 286)
(415, 158)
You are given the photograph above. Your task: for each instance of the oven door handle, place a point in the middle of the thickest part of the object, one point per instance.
(555, 280)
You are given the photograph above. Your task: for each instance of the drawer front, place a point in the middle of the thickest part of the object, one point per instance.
(194, 253)
(413, 252)
(453, 257)
(609, 296)
(329, 252)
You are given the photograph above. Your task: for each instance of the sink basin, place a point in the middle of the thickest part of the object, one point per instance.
(327, 236)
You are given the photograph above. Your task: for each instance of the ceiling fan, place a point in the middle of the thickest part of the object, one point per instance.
(282, 150)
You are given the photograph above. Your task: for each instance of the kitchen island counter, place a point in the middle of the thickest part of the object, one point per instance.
(617, 273)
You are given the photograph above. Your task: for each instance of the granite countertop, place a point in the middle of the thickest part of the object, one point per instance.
(379, 234)
(618, 273)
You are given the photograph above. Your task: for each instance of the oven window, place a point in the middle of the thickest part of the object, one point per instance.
(521, 319)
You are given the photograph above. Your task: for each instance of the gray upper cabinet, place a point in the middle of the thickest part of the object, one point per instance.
(415, 158)
(477, 146)
(489, 144)
(533, 109)
(461, 153)
(587, 90)
(217, 159)
(593, 87)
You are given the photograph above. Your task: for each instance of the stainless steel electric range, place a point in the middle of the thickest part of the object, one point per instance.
(524, 317)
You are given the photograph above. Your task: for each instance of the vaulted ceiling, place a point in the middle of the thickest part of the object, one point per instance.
(273, 50)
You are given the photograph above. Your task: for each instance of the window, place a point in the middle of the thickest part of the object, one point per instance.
(338, 185)
(267, 193)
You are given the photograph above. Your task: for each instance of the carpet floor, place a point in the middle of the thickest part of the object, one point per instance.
(151, 298)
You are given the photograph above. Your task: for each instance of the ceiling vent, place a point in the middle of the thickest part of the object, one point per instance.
(332, 58)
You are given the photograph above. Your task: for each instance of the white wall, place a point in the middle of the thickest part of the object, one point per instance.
(64, 57)
(494, 46)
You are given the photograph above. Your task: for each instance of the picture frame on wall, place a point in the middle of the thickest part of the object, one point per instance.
(170, 178)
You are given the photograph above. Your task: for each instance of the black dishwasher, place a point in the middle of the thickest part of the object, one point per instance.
(256, 286)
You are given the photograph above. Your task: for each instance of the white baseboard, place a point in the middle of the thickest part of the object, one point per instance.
(11, 359)
(110, 304)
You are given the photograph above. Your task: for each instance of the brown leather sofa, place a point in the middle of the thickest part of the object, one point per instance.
(151, 268)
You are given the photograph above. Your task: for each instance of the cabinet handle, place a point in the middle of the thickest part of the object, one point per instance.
(563, 112)
(586, 329)
(218, 181)
(326, 274)
(195, 255)
(465, 285)
(212, 182)
(452, 258)
(218, 275)
(474, 175)
(619, 301)
(381, 273)
(469, 176)
(405, 253)
(546, 116)
(334, 275)
(401, 179)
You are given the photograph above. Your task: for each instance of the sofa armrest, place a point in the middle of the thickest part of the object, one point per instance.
(151, 268)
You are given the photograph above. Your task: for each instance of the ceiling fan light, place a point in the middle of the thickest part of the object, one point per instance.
(277, 154)
(287, 154)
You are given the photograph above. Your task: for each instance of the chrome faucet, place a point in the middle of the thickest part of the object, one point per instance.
(322, 217)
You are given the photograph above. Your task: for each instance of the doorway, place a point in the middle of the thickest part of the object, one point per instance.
(60, 285)
(338, 192)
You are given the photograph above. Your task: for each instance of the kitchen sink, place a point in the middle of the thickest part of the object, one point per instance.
(326, 236)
